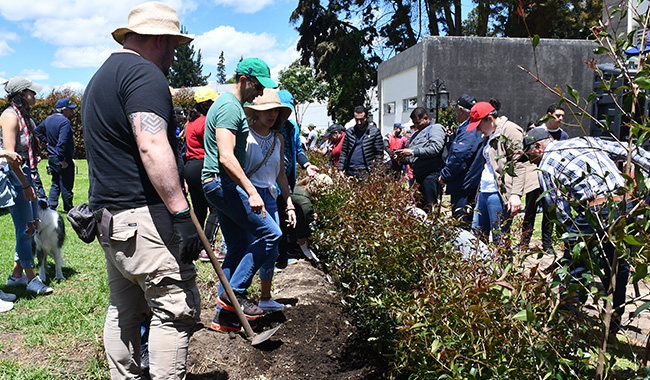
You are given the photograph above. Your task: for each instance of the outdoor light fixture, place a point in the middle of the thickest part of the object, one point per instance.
(437, 97)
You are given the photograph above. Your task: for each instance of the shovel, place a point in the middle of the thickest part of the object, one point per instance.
(254, 338)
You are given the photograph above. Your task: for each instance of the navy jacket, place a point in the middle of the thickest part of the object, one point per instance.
(56, 131)
(465, 163)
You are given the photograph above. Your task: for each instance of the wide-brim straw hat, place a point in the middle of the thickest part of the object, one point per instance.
(153, 19)
(267, 101)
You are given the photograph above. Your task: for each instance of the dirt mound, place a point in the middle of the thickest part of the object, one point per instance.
(315, 340)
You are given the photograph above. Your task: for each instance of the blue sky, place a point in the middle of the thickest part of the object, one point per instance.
(62, 43)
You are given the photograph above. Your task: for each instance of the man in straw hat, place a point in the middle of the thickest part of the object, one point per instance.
(135, 191)
(229, 190)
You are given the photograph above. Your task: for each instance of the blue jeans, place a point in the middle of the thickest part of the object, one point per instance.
(271, 206)
(62, 183)
(252, 240)
(490, 215)
(23, 212)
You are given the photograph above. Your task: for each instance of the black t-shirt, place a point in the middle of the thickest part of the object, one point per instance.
(126, 83)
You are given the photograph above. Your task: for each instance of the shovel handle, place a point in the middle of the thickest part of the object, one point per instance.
(222, 277)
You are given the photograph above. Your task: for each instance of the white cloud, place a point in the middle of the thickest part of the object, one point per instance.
(236, 44)
(73, 32)
(5, 49)
(5, 37)
(245, 6)
(74, 86)
(89, 56)
(35, 74)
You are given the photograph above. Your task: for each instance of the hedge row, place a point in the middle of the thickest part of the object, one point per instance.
(431, 312)
(44, 107)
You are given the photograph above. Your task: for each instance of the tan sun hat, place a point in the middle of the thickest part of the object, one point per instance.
(268, 100)
(153, 19)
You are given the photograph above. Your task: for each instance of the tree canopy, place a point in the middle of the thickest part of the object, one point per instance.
(301, 82)
(345, 40)
(186, 69)
(221, 69)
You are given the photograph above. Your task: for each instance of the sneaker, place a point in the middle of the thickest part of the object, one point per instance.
(6, 306)
(7, 296)
(203, 256)
(144, 356)
(20, 281)
(250, 309)
(271, 305)
(37, 286)
(226, 321)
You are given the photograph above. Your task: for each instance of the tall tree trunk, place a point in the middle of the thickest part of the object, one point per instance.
(483, 7)
(432, 9)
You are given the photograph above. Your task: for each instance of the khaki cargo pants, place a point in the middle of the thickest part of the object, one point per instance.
(145, 275)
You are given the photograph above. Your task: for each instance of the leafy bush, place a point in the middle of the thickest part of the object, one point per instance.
(432, 312)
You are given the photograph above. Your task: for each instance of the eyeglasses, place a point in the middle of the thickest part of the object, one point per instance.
(258, 85)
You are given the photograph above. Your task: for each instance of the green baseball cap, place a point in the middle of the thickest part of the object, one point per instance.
(257, 68)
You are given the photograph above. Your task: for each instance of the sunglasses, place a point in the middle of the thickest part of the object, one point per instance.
(258, 85)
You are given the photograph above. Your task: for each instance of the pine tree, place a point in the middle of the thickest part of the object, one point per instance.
(185, 70)
(221, 69)
(234, 75)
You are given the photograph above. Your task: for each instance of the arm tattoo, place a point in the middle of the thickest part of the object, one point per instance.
(147, 122)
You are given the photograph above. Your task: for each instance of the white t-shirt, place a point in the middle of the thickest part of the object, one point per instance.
(256, 148)
(488, 184)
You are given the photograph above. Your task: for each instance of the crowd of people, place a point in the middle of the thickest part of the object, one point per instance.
(240, 165)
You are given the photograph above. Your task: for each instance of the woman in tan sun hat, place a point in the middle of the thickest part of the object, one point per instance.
(265, 118)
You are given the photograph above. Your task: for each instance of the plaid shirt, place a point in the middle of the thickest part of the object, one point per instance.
(584, 169)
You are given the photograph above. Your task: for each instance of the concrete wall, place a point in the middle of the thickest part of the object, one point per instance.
(488, 68)
(397, 88)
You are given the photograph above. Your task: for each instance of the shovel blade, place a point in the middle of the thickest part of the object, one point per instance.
(263, 336)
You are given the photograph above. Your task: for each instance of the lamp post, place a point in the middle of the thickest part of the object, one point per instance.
(437, 97)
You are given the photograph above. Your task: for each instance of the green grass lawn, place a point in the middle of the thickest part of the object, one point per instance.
(58, 335)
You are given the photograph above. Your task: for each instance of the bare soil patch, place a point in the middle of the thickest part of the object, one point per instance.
(315, 340)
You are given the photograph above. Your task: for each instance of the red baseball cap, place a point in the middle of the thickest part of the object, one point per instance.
(478, 112)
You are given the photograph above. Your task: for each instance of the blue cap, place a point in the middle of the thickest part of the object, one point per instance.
(64, 103)
(286, 98)
(398, 125)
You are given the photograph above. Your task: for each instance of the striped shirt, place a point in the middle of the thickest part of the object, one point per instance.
(583, 169)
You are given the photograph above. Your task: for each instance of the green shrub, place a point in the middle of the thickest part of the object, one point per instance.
(428, 310)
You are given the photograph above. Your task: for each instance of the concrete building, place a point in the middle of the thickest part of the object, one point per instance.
(487, 68)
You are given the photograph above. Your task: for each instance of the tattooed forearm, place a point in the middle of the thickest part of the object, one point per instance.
(147, 122)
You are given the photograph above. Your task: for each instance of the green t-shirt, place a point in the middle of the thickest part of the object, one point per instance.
(226, 112)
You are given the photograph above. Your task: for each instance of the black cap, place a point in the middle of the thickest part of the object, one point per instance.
(466, 101)
(534, 135)
(333, 128)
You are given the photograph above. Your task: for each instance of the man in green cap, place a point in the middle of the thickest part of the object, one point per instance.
(240, 209)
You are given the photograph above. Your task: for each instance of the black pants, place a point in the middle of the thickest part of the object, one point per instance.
(430, 189)
(528, 225)
(192, 172)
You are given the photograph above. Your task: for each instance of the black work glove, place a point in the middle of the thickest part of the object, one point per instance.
(190, 245)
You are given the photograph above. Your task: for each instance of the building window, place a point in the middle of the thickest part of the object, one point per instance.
(409, 104)
(389, 108)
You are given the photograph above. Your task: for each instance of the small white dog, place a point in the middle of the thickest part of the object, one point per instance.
(48, 240)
